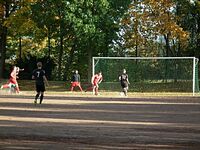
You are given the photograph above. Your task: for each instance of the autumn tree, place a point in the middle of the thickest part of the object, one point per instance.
(70, 32)
(153, 21)
(13, 24)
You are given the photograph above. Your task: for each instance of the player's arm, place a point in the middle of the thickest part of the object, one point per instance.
(46, 81)
(21, 69)
(120, 78)
(128, 80)
(100, 80)
(92, 79)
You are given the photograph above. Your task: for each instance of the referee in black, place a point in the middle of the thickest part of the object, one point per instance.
(123, 78)
(39, 76)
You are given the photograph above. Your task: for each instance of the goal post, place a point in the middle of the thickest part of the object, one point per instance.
(149, 74)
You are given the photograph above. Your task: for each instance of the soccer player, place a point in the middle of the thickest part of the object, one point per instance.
(123, 78)
(96, 80)
(12, 83)
(75, 81)
(39, 76)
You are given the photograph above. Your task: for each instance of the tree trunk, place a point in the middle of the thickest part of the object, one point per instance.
(167, 46)
(69, 62)
(89, 64)
(3, 40)
(49, 42)
(3, 50)
(167, 55)
(20, 51)
(60, 58)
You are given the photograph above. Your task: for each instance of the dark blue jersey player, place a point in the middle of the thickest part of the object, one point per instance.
(39, 76)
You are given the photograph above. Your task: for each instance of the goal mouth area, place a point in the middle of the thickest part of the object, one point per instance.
(150, 74)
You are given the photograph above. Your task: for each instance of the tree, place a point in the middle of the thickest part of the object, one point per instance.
(150, 20)
(9, 17)
(189, 16)
(70, 32)
(6, 8)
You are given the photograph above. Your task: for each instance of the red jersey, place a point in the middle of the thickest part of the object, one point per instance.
(97, 78)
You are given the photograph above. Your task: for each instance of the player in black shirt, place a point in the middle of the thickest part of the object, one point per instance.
(123, 78)
(39, 76)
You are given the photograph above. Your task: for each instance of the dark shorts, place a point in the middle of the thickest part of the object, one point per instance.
(40, 88)
(124, 84)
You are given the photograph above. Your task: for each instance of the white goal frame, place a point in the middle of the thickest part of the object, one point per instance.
(195, 62)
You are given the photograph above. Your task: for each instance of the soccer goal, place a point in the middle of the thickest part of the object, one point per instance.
(150, 74)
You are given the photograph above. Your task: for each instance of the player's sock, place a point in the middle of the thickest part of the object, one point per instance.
(41, 98)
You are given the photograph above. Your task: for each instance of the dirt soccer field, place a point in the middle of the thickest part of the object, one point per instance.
(98, 123)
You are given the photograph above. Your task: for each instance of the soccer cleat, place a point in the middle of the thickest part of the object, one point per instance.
(1, 87)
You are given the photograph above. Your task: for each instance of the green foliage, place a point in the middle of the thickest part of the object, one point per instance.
(70, 32)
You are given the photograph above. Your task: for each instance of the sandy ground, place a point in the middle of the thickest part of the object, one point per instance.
(98, 123)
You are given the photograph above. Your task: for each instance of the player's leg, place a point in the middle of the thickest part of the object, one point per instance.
(37, 94)
(7, 85)
(96, 89)
(41, 97)
(42, 93)
(125, 91)
(14, 81)
(12, 88)
(36, 97)
(72, 86)
(17, 88)
(124, 88)
(79, 85)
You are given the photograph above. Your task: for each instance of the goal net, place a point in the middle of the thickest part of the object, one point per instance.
(149, 74)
